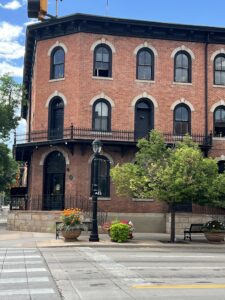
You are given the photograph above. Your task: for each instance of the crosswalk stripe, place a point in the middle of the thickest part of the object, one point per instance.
(22, 280)
(31, 262)
(26, 292)
(24, 270)
(19, 256)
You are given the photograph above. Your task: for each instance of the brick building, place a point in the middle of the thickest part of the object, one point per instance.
(93, 77)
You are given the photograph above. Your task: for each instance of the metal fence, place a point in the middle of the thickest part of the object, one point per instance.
(78, 133)
(48, 202)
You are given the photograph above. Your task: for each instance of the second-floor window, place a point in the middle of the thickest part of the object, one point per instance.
(219, 121)
(102, 61)
(182, 120)
(145, 64)
(182, 67)
(101, 115)
(57, 63)
(56, 118)
(219, 69)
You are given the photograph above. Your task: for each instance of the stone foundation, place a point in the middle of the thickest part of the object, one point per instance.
(44, 221)
(34, 221)
(184, 220)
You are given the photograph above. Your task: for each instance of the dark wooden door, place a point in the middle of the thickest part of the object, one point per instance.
(54, 182)
(143, 119)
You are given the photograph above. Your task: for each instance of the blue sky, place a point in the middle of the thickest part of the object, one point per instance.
(13, 19)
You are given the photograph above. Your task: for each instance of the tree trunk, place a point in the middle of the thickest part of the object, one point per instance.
(172, 224)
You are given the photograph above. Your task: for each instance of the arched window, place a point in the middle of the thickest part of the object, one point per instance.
(182, 120)
(101, 115)
(56, 118)
(102, 61)
(145, 64)
(144, 118)
(219, 121)
(219, 69)
(54, 181)
(182, 67)
(57, 63)
(103, 176)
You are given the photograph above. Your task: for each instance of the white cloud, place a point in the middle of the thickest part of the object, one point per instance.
(10, 32)
(11, 69)
(11, 5)
(10, 48)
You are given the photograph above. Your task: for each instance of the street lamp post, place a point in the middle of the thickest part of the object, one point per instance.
(96, 146)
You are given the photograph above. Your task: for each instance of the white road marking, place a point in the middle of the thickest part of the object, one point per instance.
(177, 256)
(29, 262)
(24, 270)
(178, 267)
(22, 280)
(26, 292)
(19, 256)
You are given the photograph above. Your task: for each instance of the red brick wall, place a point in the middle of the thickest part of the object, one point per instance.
(79, 186)
(79, 87)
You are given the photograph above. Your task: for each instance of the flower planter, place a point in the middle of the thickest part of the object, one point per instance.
(215, 237)
(71, 234)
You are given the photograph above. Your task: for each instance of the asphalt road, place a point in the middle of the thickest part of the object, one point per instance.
(140, 273)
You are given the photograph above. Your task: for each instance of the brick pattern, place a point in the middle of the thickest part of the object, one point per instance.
(79, 87)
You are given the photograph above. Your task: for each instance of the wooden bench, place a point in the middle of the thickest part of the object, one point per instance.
(194, 228)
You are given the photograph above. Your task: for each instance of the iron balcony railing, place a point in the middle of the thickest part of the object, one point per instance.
(77, 133)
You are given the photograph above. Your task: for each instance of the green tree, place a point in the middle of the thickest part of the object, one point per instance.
(138, 179)
(8, 168)
(11, 96)
(188, 176)
(170, 175)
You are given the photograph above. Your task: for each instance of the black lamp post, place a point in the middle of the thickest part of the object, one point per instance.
(97, 147)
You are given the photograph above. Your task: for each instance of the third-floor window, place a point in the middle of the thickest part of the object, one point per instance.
(145, 64)
(57, 63)
(102, 61)
(219, 69)
(182, 67)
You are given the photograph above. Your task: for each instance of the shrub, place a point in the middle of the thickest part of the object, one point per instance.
(213, 226)
(119, 232)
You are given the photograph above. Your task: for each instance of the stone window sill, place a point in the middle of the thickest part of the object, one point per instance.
(58, 79)
(102, 78)
(182, 83)
(145, 81)
(219, 138)
(102, 198)
(219, 86)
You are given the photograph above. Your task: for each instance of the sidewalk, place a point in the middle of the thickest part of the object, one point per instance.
(18, 239)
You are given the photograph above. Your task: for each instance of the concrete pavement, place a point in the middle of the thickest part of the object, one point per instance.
(18, 239)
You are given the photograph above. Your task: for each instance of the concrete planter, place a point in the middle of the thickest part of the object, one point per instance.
(215, 237)
(71, 234)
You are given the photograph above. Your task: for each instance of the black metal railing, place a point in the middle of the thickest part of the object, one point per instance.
(77, 133)
(59, 202)
(73, 133)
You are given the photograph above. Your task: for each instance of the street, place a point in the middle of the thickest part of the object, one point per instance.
(140, 273)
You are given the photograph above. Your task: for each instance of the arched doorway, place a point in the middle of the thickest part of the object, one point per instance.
(144, 118)
(54, 181)
(56, 118)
